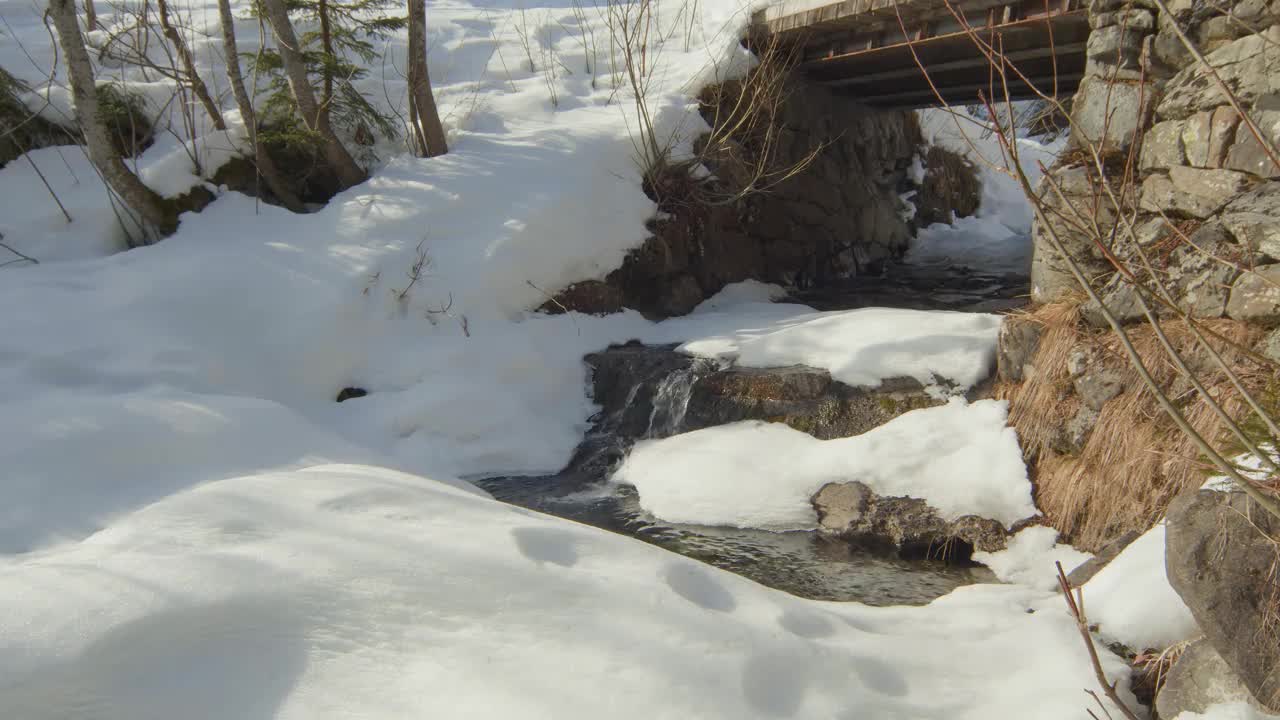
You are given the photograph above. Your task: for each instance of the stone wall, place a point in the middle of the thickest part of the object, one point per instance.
(842, 216)
(1197, 162)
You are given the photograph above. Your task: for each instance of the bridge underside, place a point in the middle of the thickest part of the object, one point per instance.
(859, 48)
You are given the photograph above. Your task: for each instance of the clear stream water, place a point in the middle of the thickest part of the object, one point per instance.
(807, 564)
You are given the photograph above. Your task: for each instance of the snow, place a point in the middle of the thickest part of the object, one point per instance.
(945, 351)
(345, 591)
(191, 527)
(1030, 558)
(958, 457)
(1132, 602)
(1227, 711)
(997, 238)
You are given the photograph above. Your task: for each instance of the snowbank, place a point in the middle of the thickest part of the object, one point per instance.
(945, 351)
(960, 458)
(347, 591)
(1030, 558)
(1132, 602)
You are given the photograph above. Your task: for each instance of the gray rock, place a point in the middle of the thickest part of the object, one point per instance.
(1199, 282)
(1120, 298)
(1015, 346)
(1087, 569)
(1256, 231)
(1198, 679)
(1115, 45)
(1135, 18)
(1075, 433)
(1096, 387)
(1189, 191)
(1219, 557)
(1216, 32)
(1269, 346)
(1255, 296)
(851, 510)
(1162, 147)
(1109, 113)
(1207, 135)
(1094, 383)
(1250, 67)
(1050, 276)
(1246, 154)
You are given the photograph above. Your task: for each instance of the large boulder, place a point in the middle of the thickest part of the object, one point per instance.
(1199, 679)
(852, 511)
(1220, 557)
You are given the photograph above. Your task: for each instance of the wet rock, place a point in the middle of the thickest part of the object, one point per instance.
(1015, 347)
(852, 511)
(1220, 556)
(1086, 570)
(1200, 678)
(654, 391)
(350, 393)
(1255, 296)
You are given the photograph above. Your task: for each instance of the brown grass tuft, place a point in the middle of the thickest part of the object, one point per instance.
(1135, 460)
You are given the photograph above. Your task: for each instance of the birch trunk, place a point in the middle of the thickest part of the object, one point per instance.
(189, 67)
(266, 167)
(425, 118)
(102, 152)
(348, 171)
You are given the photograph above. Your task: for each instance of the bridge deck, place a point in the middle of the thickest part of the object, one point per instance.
(873, 49)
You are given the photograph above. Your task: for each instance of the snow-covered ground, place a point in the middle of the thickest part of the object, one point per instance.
(191, 527)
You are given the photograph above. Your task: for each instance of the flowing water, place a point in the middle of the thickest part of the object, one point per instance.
(807, 564)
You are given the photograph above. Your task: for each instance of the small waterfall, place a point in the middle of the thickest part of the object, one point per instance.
(671, 400)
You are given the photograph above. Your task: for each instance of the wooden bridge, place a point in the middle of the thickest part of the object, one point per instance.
(873, 49)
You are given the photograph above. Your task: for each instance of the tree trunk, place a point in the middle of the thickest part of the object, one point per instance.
(425, 118)
(189, 67)
(266, 167)
(349, 172)
(326, 44)
(90, 16)
(102, 152)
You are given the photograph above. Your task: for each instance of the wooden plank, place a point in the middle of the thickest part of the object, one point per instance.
(979, 61)
(1045, 83)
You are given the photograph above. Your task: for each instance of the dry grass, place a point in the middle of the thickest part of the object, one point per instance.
(1135, 460)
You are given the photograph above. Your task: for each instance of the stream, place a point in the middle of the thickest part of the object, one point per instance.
(648, 394)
